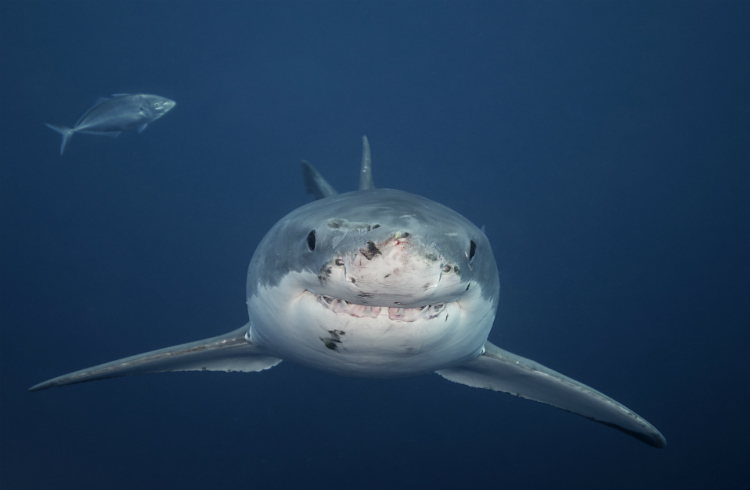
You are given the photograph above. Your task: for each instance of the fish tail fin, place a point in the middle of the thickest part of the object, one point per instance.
(66, 133)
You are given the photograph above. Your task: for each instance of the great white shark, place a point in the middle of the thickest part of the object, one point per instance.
(376, 283)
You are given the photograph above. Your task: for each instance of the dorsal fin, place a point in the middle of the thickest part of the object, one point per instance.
(365, 174)
(315, 184)
(99, 101)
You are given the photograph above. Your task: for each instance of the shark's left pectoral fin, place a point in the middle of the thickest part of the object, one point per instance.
(228, 352)
(500, 370)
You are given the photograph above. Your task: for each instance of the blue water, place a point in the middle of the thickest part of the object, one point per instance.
(604, 145)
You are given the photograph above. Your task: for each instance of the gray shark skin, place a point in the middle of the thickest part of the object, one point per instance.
(376, 283)
(109, 117)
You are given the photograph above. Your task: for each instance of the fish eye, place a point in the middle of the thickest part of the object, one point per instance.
(472, 249)
(447, 268)
(311, 240)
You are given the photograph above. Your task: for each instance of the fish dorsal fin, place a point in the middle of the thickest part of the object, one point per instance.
(315, 184)
(365, 173)
(99, 101)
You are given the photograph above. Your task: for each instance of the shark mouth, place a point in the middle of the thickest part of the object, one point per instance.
(401, 314)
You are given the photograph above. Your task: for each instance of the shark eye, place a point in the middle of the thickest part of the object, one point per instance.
(447, 268)
(311, 240)
(472, 249)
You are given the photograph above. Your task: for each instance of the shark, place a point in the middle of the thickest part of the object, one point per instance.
(376, 283)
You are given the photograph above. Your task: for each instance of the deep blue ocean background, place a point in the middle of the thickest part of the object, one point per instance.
(604, 145)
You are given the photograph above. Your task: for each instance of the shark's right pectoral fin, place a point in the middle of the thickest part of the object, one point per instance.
(500, 370)
(228, 352)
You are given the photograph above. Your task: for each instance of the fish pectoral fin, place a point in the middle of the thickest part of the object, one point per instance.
(142, 128)
(228, 352)
(500, 370)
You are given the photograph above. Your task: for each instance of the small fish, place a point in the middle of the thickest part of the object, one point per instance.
(109, 117)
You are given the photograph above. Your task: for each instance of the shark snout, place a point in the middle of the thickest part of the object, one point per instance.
(398, 268)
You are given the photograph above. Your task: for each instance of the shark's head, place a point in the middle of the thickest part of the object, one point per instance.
(373, 283)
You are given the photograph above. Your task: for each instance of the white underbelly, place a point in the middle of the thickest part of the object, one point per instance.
(298, 328)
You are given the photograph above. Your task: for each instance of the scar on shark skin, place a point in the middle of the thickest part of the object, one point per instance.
(325, 273)
(334, 340)
(371, 251)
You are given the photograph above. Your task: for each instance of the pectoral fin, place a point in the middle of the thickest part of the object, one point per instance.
(228, 352)
(500, 370)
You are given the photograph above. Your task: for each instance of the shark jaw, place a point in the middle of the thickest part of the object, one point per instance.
(297, 322)
(395, 314)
